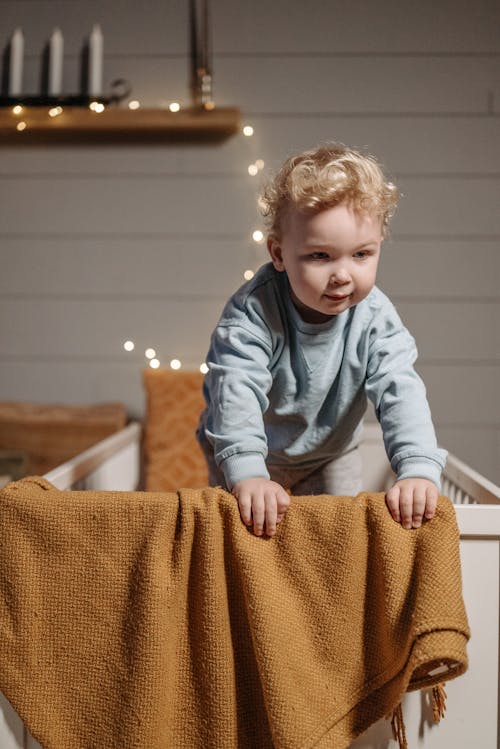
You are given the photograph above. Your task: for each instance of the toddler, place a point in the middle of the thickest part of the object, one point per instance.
(300, 348)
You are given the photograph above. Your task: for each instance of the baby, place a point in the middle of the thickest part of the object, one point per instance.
(300, 347)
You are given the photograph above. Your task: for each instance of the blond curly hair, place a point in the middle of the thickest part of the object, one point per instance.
(324, 177)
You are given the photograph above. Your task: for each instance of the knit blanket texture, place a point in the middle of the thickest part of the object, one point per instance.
(141, 620)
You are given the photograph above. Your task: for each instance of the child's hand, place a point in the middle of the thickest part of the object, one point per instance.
(262, 503)
(410, 499)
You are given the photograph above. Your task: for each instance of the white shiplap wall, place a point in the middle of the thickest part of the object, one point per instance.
(99, 244)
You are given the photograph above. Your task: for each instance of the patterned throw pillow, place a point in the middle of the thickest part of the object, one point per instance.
(172, 456)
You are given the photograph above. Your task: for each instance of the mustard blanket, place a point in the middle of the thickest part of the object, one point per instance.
(159, 621)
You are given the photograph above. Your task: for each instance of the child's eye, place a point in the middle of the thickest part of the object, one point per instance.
(361, 255)
(318, 256)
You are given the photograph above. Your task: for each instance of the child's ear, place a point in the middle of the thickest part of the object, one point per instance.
(276, 253)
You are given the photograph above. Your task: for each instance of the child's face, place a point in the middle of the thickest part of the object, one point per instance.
(330, 258)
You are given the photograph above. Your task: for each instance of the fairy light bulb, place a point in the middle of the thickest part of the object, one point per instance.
(248, 275)
(203, 368)
(259, 164)
(96, 106)
(21, 126)
(248, 130)
(129, 345)
(253, 170)
(134, 104)
(154, 363)
(17, 109)
(174, 106)
(150, 353)
(55, 111)
(175, 364)
(258, 236)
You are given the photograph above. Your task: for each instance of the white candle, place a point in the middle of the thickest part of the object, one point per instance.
(16, 63)
(56, 62)
(95, 61)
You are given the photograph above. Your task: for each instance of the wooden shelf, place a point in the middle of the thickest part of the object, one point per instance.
(117, 125)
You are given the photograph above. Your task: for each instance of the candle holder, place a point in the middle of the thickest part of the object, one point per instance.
(55, 117)
(120, 89)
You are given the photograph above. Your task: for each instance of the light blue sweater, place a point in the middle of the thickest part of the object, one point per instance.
(290, 393)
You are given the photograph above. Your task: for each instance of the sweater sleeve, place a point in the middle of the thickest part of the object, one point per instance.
(399, 397)
(237, 382)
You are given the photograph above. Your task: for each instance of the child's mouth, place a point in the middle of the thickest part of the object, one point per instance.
(337, 298)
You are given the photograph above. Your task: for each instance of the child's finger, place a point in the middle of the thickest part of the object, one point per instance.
(406, 506)
(271, 514)
(245, 505)
(283, 503)
(431, 502)
(258, 514)
(419, 500)
(392, 501)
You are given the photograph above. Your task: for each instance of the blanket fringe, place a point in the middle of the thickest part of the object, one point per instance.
(438, 702)
(438, 710)
(398, 727)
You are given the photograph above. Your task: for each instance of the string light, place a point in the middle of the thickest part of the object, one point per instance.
(21, 126)
(17, 109)
(96, 106)
(155, 363)
(55, 111)
(257, 235)
(174, 106)
(254, 169)
(134, 104)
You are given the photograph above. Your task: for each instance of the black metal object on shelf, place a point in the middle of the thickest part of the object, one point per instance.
(120, 89)
(201, 54)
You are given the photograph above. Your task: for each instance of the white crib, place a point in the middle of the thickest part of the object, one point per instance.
(472, 715)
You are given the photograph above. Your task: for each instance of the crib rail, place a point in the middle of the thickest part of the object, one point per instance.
(116, 460)
(463, 485)
(113, 463)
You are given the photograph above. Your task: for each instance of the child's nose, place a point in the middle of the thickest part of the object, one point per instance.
(340, 275)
